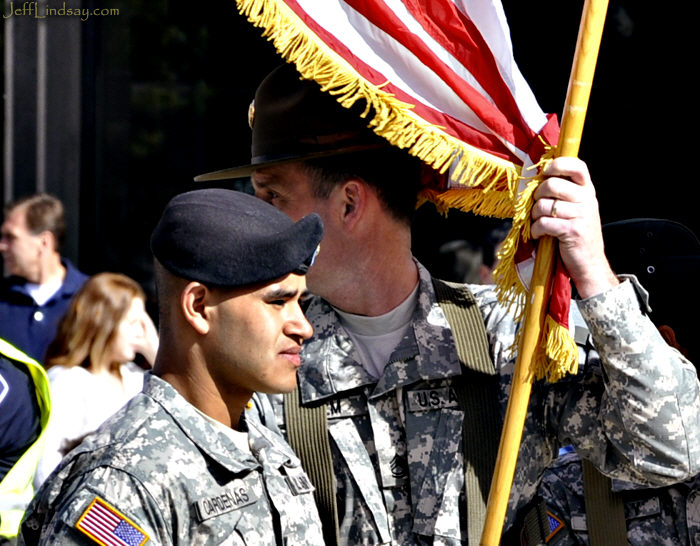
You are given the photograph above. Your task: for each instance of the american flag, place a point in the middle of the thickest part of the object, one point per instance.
(440, 77)
(108, 527)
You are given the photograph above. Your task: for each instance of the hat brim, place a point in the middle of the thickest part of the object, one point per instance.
(244, 171)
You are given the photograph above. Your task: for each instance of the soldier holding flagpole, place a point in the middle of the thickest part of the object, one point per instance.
(404, 383)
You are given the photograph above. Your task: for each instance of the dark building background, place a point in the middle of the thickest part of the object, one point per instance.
(116, 114)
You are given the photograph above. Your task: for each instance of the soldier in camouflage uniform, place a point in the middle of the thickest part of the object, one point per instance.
(664, 516)
(383, 357)
(180, 464)
(666, 255)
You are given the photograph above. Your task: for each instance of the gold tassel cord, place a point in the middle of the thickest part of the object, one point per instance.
(392, 119)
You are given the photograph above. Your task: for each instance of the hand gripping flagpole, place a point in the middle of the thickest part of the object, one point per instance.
(580, 81)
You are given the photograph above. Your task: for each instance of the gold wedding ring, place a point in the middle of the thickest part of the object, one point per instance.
(553, 212)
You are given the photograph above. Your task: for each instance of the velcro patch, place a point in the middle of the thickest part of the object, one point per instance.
(342, 408)
(432, 399)
(107, 526)
(235, 496)
(298, 481)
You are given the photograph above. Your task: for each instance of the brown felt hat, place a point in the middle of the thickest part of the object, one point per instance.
(665, 257)
(293, 119)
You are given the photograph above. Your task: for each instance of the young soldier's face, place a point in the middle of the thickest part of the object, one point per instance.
(257, 334)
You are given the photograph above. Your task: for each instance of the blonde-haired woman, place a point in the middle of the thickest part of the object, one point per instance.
(90, 362)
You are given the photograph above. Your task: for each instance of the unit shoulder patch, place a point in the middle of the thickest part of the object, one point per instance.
(555, 525)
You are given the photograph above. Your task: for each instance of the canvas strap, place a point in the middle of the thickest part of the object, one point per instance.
(477, 392)
(307, 432)
(605, 511)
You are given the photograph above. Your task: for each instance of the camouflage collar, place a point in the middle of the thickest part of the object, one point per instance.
(331, 363)
(215, 443)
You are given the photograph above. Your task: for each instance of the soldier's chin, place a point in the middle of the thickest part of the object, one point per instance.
(284, 388)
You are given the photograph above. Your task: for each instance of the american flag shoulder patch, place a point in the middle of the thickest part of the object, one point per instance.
(107, 526)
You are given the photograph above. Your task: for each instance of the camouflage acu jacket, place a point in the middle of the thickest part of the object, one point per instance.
(663, 516)
(159, 472)
(633, 409)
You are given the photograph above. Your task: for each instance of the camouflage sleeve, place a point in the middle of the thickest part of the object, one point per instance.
(635, 412)
(97, 507)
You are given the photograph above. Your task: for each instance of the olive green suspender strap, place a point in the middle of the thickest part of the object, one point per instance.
(605, 511)
(307, 432)
(477, 392)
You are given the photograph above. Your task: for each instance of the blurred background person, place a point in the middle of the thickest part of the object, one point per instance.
(91, 361)
(664, 255)
(41, 283)
(490, 246)
(458, 260)
(25, 406)
(472, 261)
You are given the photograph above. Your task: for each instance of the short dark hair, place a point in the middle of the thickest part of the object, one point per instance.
(394, 173)
(43, 212)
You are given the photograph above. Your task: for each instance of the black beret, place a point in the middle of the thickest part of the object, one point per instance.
(228, 238)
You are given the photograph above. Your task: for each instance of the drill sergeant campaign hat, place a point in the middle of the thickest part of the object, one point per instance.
(657, 251)
(228, 238)
(292, 119)
(665, 257)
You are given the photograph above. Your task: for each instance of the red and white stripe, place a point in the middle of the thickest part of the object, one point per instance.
(100, 522)
(451, 59)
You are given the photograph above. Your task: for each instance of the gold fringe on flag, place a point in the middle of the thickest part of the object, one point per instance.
(557, 353)
(486, 184)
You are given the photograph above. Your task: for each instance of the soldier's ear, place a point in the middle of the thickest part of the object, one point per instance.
(193, 304)
(354, 193)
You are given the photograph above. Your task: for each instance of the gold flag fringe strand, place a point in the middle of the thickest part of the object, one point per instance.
(486, 184)
(557, 353)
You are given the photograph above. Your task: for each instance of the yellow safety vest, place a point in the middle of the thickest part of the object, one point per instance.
(16, 489)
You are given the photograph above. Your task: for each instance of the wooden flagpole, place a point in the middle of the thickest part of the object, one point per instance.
(573, 117)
